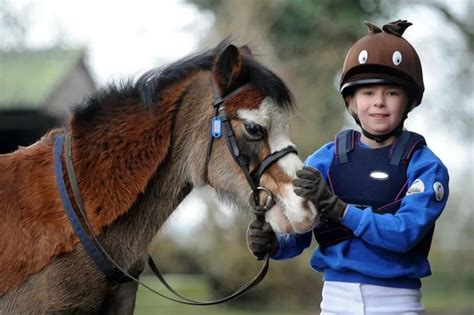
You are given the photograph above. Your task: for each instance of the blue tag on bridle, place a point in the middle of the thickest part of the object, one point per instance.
(216, 127)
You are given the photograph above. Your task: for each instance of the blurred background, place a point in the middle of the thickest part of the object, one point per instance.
(53, 53)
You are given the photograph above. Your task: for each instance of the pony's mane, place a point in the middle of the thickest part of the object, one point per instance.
(147, 86)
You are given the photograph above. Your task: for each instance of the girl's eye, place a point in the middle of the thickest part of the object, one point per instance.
(393, 93)
(254, 131)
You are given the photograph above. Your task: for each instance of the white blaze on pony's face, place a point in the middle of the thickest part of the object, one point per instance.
(291, 212)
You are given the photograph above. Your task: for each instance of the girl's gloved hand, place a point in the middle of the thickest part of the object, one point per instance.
(261, 239)
(312, 186)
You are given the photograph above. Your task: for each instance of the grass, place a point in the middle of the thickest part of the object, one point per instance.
(438, 299)
(194, 287)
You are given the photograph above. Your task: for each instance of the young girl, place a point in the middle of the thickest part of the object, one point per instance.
(378, 192)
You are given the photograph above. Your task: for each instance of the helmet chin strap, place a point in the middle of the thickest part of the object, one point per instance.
(381, 138)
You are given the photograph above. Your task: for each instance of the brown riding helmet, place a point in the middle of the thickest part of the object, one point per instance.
(383, 57)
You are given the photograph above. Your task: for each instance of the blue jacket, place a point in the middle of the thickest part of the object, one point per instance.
(378, 253)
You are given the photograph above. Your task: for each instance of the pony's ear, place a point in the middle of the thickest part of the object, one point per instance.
(246, 50)
(228, 70)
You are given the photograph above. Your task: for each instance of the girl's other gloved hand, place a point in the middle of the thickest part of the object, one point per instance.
(312, 186)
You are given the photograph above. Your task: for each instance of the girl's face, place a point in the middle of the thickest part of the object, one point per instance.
(380, 108)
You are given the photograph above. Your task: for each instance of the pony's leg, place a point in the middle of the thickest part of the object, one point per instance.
(121, 299)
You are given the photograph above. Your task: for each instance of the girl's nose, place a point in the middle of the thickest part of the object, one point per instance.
(379, 100)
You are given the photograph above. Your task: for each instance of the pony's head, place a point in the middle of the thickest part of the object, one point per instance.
(257, 105)
(252, 107)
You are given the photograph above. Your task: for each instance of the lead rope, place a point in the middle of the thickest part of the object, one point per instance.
(259, 212)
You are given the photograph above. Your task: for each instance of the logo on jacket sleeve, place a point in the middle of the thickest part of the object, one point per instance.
(438, 191)
(417, 187)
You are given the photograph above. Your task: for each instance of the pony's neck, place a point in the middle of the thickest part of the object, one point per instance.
(173, 179)
(137, 227)
(191, 131)
(117, 151)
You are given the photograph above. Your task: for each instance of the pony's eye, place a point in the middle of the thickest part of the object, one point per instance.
(254, 131)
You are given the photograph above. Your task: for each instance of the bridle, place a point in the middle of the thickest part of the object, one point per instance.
(220, 125)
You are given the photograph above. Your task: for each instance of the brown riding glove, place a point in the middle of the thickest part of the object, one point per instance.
(261, 239)
(312, 186)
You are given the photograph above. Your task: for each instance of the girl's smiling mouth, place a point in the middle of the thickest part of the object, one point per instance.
(379, 115)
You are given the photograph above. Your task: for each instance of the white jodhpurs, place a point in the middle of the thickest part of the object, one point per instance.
(365, 299)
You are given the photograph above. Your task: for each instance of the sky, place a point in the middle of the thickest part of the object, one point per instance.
(122, 38)
(430, 36)
(125, 38)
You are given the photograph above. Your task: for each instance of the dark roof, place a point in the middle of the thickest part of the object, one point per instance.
(27, 78)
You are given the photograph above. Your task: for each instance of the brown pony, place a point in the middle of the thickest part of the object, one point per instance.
(138, 150)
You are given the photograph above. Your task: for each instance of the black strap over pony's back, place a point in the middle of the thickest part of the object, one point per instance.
(85, 234)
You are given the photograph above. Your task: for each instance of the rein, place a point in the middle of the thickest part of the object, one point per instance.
(106, 264)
